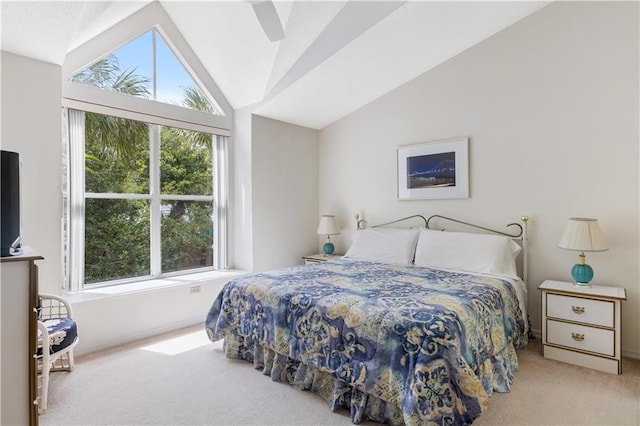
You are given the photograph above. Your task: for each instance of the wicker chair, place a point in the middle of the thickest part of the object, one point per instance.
(57, 336)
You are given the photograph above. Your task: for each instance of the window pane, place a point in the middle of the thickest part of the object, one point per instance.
(174, 85)
(116, 155)
(187, 235)
(136, 57)
(186, 162)
(116, 239)
(129, 70)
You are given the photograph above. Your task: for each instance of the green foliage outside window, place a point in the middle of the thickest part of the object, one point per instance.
(117, 239)
(186, 159)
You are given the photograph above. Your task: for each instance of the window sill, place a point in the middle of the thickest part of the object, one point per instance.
(188, 280)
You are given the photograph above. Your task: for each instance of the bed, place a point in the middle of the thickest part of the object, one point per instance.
(412, 326)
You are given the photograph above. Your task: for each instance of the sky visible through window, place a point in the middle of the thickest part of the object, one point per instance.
(171, 75)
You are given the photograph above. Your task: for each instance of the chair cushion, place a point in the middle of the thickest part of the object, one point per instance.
(62, 333)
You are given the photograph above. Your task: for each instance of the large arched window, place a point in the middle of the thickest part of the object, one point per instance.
(145, 164)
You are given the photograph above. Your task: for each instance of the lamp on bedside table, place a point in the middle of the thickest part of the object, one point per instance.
(582, 234)
(328, 227)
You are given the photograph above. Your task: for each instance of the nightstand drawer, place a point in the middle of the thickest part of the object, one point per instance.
(588, 311)
(581, 337)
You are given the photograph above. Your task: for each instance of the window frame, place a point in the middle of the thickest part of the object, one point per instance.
(75, 195)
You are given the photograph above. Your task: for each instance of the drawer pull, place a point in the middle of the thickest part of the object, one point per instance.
(579, 337)
(578, 309)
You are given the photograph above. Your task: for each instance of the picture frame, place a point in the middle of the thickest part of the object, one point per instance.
(434, 170)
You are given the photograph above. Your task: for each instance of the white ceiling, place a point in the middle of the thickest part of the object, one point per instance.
(336, 56)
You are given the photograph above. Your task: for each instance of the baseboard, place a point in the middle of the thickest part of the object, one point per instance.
(130, 338)
(627, 353)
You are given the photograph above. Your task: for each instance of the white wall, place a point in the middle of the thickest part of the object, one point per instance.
(285, 193)
(551, 109)
(240, 193)
(31, 125)
(106, 322)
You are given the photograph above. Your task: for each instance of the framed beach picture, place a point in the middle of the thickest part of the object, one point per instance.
(434, 170)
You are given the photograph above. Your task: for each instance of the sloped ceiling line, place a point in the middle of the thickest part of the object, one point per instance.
(354, 19)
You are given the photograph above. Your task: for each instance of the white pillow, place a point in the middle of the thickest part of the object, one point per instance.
(483, 253)
(384, 245)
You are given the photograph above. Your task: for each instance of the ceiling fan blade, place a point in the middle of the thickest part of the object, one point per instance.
(269, 19)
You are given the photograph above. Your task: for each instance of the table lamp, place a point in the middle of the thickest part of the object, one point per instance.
(582, 234)
(328, 227)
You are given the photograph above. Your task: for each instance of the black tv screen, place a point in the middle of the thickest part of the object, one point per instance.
(10, 203)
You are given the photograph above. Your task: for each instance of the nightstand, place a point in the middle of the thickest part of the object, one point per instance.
(320, 257)
(581, 325)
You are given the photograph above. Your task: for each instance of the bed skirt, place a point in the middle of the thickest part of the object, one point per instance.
(496, 375)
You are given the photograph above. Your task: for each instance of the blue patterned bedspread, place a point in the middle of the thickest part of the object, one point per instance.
(396, 344)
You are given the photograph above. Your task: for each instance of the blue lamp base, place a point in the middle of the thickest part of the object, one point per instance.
(328, 248)
(582, 274)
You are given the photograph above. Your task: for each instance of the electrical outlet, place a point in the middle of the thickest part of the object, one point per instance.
(195, 289)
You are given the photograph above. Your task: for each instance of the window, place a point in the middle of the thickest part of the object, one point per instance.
(147, 202)
(144, 186)
(147, 68)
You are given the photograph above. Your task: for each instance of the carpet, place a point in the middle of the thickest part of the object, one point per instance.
(181, 378)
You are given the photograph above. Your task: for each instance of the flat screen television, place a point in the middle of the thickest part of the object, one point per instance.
(10, 203)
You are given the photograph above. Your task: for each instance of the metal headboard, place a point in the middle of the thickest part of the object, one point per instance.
(473, 225)
(520, 235)
(362, 223)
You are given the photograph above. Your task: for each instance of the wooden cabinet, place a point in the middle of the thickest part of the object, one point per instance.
(18, 320)
(581, 325)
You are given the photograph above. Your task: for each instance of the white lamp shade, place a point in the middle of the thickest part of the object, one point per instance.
(328, 225)
(583, 234)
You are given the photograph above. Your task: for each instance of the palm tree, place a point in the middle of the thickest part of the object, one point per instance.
(109, 134)
(107, 74)
(194, 98)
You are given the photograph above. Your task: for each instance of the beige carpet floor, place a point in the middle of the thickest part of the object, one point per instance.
(183, 379)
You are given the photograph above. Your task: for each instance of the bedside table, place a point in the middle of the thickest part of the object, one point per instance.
(581, 325)
(320, 257)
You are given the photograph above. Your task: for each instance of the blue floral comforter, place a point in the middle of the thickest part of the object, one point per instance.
(395, 344)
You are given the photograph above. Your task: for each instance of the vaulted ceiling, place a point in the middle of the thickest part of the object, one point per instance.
(336, 56)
